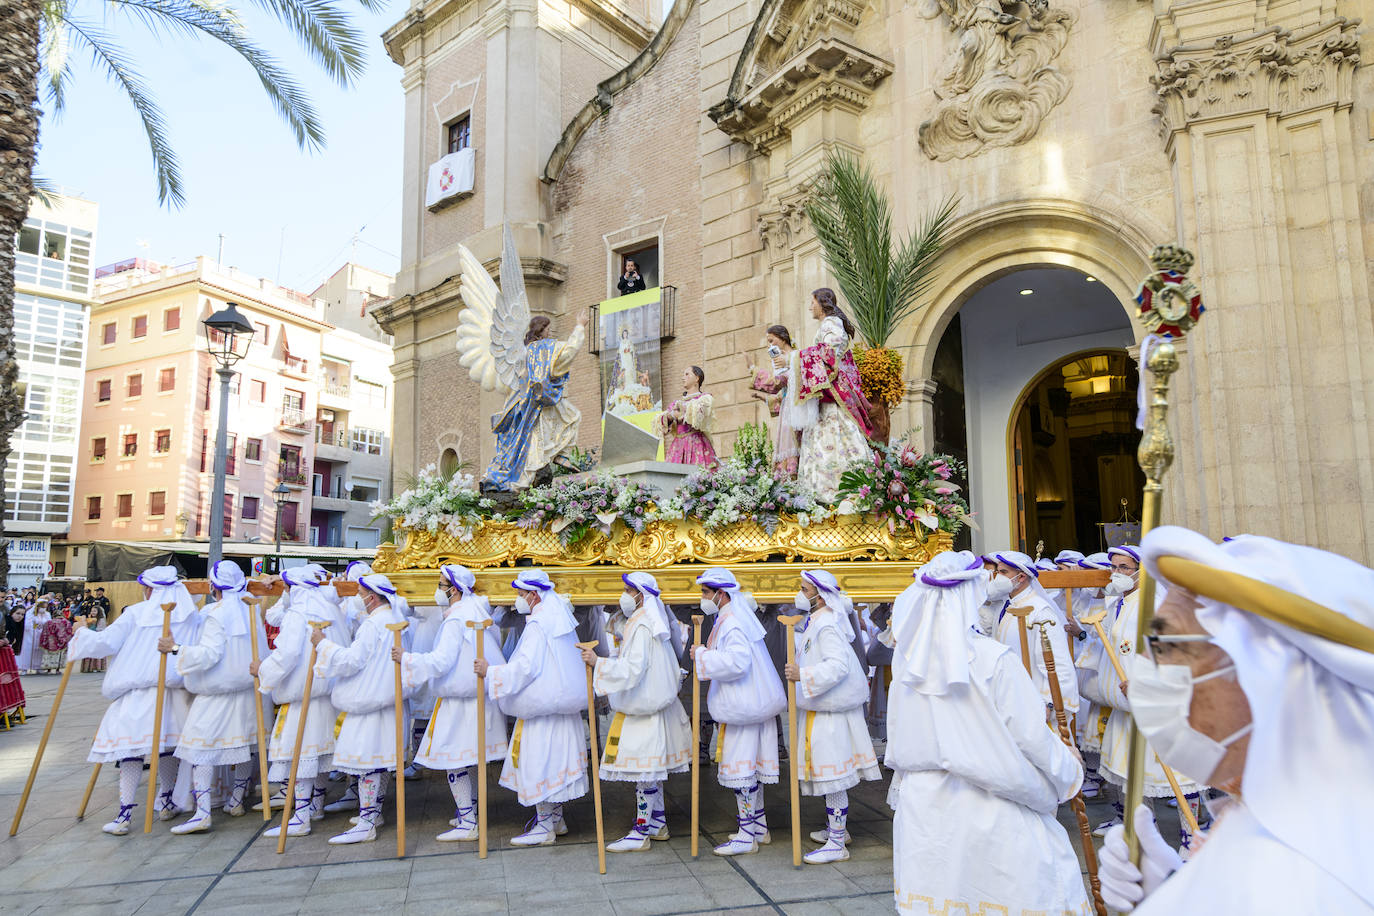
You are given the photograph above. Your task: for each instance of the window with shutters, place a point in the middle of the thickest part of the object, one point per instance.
(171, 320)
(134, 388)
(157, 503)
(130, 445)
(124, 505)
(92, 508)
(140, 326)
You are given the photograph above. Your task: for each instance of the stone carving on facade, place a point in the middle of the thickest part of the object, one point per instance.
(783, 224)
(1276, 71)
(999, 83)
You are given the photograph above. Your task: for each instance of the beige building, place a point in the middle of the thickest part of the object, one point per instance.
(1076, 137)
(309, 408)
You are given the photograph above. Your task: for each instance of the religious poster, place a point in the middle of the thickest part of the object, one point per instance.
(631, 379)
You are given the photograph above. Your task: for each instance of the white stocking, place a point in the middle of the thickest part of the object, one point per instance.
(129, 772)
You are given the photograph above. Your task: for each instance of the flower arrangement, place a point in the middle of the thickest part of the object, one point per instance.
(574, 461)
(433, 500)
(880, 374)
(573, 507)
(908, 488)
(744, 487)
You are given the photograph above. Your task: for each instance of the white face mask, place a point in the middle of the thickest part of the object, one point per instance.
(1160, 698)
(1119, 585)
(627, 604)
(441, 596)
(709, 607)
(522, 606)
(999, 588)
(802, 603)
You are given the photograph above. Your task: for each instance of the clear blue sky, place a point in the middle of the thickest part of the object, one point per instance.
(244, 175)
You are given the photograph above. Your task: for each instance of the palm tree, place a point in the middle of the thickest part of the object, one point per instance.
(882, 279)
(37, 40)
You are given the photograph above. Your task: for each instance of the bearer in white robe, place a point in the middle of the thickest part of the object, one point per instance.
(125, 735)
(1278, 714)
(745, 697)
(365, 692)
(543, 686)
(1123, 598)
(650, 735)
(833, 736)
(978, 776)
(1021, 571)
(450, 741)
(1093, 711)
(221, 728)
(281, 675)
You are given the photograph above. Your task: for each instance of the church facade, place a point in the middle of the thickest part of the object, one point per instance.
(1075, 136)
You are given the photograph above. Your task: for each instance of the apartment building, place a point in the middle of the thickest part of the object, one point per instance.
(52, 299)
(146, 464)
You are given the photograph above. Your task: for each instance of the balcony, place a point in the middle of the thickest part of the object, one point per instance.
(294, 534)
(293, 420)
(331, 503)
(335, 392)
(296, 367)
(332, 444)
(293, 475)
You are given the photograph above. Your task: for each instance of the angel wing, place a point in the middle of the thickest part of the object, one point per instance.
(491, 327)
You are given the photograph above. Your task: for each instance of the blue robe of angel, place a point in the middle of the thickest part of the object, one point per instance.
(518, 422)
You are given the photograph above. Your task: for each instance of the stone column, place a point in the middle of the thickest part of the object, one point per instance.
(1275, 395)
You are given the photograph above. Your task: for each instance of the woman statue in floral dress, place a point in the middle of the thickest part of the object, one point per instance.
(832, 411)
(686, 425)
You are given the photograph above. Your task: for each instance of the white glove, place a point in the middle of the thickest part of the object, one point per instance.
(1120, 585)
(1124, 885)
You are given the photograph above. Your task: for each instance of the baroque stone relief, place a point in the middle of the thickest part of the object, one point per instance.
(783, 224)
(999, 83)
(1275, 71)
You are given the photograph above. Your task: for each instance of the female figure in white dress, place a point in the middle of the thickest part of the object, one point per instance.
(828, 403)
(29, 651)
(832, 738)
(978, 776)
(450, 741)
(650, 735)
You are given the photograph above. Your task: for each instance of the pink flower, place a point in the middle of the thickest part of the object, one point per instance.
(943, 491)
(864, 490)
(896, 489)
(909, 457)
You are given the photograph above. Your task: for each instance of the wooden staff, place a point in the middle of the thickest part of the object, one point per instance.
(696, 734)
(1185, 808)
(1079, 809)
(1020, 613)
(257, 707)
(795, 782)
(596, 766)
(396, 629)
(156, 753)
(479, 638)
(90, 787)
(43, 743)
(289, 807)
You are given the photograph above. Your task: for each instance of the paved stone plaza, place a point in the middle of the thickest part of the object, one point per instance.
(60, 865)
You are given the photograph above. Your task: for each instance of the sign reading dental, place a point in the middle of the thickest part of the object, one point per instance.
(28, 561)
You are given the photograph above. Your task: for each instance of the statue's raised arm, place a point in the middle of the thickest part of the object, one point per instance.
(504, 349)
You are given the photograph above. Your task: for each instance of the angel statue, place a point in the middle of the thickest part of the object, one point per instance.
(504, 349)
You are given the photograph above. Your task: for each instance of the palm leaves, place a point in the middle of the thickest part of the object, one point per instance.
(322, 26)
(852, 218)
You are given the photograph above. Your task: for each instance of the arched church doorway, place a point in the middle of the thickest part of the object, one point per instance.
(1073, 446)
(1012, 336)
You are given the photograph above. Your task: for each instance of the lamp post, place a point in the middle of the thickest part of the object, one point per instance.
(279, 493)
(228, 334)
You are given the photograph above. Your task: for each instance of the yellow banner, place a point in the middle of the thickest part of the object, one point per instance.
(632, 301)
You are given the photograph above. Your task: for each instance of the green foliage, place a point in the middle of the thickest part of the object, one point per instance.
(323, 27)
(882, 279)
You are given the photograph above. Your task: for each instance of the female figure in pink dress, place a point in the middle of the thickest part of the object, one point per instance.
(686, 426)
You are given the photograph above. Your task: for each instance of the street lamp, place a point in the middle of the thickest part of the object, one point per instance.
(227, 337)
(279, 494)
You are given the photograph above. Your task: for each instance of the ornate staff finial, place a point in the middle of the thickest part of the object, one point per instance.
(1170, 306)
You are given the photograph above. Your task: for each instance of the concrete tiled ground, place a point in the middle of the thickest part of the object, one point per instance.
(57, 864)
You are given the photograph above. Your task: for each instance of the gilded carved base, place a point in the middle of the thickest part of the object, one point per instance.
(874, 561)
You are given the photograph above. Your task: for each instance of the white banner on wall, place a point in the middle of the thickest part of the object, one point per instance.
(28, 561)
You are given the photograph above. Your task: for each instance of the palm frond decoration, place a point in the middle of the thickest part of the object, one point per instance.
(883, 282)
